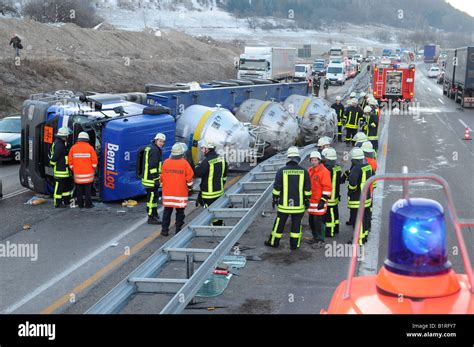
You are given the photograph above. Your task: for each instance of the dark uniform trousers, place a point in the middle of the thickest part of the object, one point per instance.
(167, 211)
(332, 220)
(152, 201)
(62, 191)
(81, 191)
(279, 226)
(317, 225)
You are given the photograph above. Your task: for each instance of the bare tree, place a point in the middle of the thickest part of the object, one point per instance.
(80, 12)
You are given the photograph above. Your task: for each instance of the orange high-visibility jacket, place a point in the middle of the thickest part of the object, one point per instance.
(320, 185)
(176, 179)
(373, 164)
(83, 162)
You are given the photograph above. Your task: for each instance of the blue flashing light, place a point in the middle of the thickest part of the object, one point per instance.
(417, 238)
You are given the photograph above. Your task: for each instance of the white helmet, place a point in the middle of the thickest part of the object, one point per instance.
(354, 102)
(338, 98)
(353, 95)
(160, 136)
(207, 144)
(324, 141)
(363, 94)
(293, 152)
(63, 132)
(315, 154)
(83, 136)
(357, 153)
(177, 149)
(367, 147)
(330, 153)
(373, 102)
(184, 146)
(360, 137)
(367, 109)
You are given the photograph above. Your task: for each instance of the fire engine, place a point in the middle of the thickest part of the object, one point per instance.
(395, 82)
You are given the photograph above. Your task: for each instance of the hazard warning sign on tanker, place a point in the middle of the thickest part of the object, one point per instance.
(48, 134)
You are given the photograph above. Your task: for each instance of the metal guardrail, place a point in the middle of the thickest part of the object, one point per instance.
(250, 193)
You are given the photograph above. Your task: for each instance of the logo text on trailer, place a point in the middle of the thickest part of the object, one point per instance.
(110, 171)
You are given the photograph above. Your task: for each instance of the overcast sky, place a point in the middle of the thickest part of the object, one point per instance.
(463, 5)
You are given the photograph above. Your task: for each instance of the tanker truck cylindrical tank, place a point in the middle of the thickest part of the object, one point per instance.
(231, 137)
(278, 128)
(315, 116)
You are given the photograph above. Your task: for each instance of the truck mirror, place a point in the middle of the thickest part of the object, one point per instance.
(119, 110)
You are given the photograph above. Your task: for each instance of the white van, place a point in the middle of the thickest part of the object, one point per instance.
(302, 72)
(336, 74)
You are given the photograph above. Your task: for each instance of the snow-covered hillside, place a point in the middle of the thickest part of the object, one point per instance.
(204, 18)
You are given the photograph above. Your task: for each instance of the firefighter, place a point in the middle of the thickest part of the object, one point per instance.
(351, 121)
(291, 193)
(213, 173)
(326, 87)
(320, 194)
(316, 85)
(339, 108)
(58, 159)
(309, 87)
(369, 154)
(323, 143)
(359, 173)
(360, 138)
(371, 126)
(151, 176)
(372, 102)
(332, 215)
(176, 181)
(83, 162)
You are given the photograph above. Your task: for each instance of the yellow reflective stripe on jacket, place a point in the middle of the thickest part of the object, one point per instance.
(210, 193)
(197, 135)
(334, 200)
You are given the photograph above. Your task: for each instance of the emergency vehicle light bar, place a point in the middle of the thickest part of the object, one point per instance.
(405, 178)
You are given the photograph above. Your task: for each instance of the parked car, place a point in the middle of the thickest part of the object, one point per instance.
(10, 138)
(433, 72)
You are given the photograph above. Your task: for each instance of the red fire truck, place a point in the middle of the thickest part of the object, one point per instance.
(394, 82)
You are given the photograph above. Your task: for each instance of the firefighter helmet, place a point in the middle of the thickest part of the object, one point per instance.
(315, 154)
(360, 137)
(177, 149)
(367, 109)
(160, 136)
(83, 136)
(357, 153)
(324, 141)
(338, 98)
(367, 147)
(63, 132)
(330, 153)
(293, 152)
(207, 144)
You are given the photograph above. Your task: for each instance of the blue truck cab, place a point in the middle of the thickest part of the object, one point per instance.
(118, 129)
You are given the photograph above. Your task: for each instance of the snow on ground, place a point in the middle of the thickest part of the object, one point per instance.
(221, 25)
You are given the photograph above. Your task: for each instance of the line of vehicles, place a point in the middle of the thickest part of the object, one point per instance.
(279, 63)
